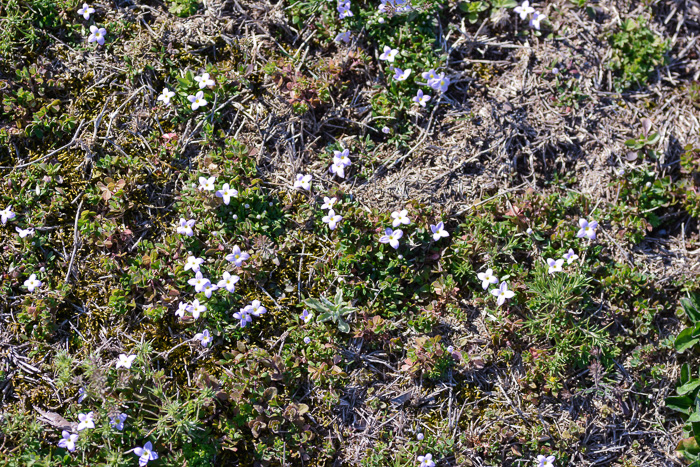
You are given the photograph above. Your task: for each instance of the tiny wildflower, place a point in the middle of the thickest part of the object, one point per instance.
(587, 229)
(6, 214)
(305, 316)
(204, 80)
(344, 9)
(85, 421)
(238, 256)
(227, 193)
(392, 237)
(529, 231)
(439, 83)
(145, 454)
(401, 75)
(555, 265)
(86, 11)
(117, 422)
(426, 461)
(197, 100)
(196, 309)
(332, 219)
(524, 9)
(389, 54)
(400, 217)
(487, 278)
(166, 95)
(386, 130)
(570, 257)
(199, 282)
(97, 35)
(244, 316)
(303, 181)
(328, 202)
(428, 75)
(182, 308)
(545, 461)
(125, 361)
(81, 395)
(419, 436)
(342, 157)
(193, 263)
(307, 340)
(207, 184)
(256, 309)
(32, 283)
(185, 227)
(338, 169)
(228, 282)
(344, 37)
(24, 232)
(536, 19)
(421, 99)
(203, 337)
(502, 293)
(68, 441)
(439, 231)
(209, 288)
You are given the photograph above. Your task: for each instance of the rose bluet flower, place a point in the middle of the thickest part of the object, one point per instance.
(97, 35)
(166, 95)
(587, 229)
(439, 83)
(117, 422)
(209, 288)
(199, 282)
(32, 283)
(86, 11)
(125, 361)
(392, 237)
(244, 316)
(303, 181)
(228, 282)
(204, 80)
(332, 219)
(401, 75)
(426, 461)
(400, 217)
(570, 257)
(256, 309)
(197, 100)
(338, 169)
(389, 54)
(439, 231)
(227, 193)
(185, 227)
(146, 454)
(204, 338)
(545, 461)
(537, 17)
(193, 263)
(207, 184)
(502, 293)
(328, 202)
(555, 265)
(196, 309)
(342, 157)
(68, 441)
(23, 233)
(420, 98)
(305, 316)
(85, 421)
(344, 37)
(524, 9)
(428, 75)
(237, 256)
(182, 308)
(487, 278)
(6, 214)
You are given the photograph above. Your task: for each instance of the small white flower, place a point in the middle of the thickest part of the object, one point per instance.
(570, 257)
(204, 80)
(524, 9)
(487, 278)
(555, 265)
(32, 283)
(125, 361)
(86, 11)
(193, 263)
(332, 219)
(85, 421)
(303, 181)
(328, 202)
(389, 54)
(197, 100)
(207, 184)
(400, 217)
(166, 95)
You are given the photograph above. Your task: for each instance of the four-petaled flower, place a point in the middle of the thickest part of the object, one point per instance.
(207, 184)
(487, 278)
(428, 75)
(344, 9)
(502, 293)
(32, 283)
(342, 157)
(555, 265)
(193, 263)
(85, 421)
(587, 229)
(244, 316)
(400, 217)
(117, 422)
(203, 337)
(392, 237)
(228, 282)
(439, 231)
(97, 35)
(328, 202)
(305, 316)
(125, 361)
(197, 100)
(196, 308)
(226, 192)
(570, 257)
(401, 75)
(338, 169)
(24, 232)
(344, 37)
(537, 17)
(166, 95)
(199, 282)
(68, 441)
(426, 461)
(303, 181)
(204, 80)
(86, 11)
(185, 227)
(238, 256)
(421, 99)
(6, 214)
(524, 9)
(332, 219)
(209, 288)
(256, 309)
(545, 461)
(145, 454)
(389, 54)
(182, 308)
(439, 83)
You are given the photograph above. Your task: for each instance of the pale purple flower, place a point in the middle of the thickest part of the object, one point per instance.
(166, 95)
(227, 193)
(502, 293)
(328, 202)
(439, 231)
(145, 454)
(439, 83)
(244, 316)
(487, 278)
(400, 217)
(199, 282)
(204, 80)
(182, 308)
(555, 265)
(125, 361)
(6, 214)
(196, 309)
(426, 461)
(524, 9)
(185, 227)
(228, 282)
(32, 283)
(386, 130)
(332, 219)
(238, 256)
(389, 54)
(204, 338)
(529, 231)
(117, 422)
(209, 288)
(68, 441)
(344, 37)
(344, 9)
(197, 100)
(537, 17)
(97, 35)
(24, 232)
(307, 340)
(401, 75)
(338, 169)
(81, 395)
(86, 11)
(570, 257)
(85, 421)
(421, 99)
(392, 237)
(256, 308)
(428, 75)
(419, 436)
(207, 184)
(342, 157)
(303, 181)
(587, 229)
(193, 263)
(545, 461)
(305, 316)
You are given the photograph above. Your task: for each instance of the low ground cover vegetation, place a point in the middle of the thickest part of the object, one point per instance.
(321, 232)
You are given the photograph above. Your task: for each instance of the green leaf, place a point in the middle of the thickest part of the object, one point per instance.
(315, 305)
(688, 444)
(688, 387)
(685, 340)
(691, 308)
(681, 404)
(322, 318)
(685, 373)
(343, 326)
